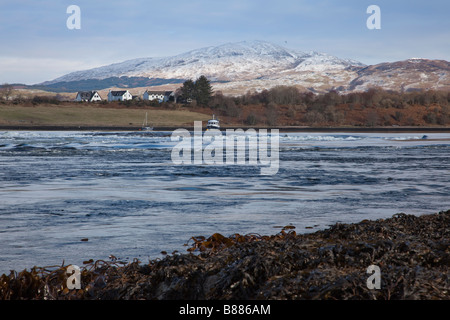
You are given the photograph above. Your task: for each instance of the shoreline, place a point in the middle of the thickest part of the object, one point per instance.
(281, 129)
(412, 253)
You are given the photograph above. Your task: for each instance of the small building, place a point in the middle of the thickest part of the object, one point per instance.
(88, 96)
(161, 96)
(121, 95)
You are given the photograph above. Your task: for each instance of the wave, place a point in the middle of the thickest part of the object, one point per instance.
(77, 140)
(321, 138)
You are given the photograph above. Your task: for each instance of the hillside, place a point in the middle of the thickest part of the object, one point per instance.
(409, 75)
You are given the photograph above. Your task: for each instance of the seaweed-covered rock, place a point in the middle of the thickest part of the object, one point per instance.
(412, 253)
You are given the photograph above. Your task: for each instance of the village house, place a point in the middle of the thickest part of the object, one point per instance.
(119, 95)
(88, 96)
(161, 96)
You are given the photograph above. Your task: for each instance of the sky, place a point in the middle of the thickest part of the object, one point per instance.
(36, 45)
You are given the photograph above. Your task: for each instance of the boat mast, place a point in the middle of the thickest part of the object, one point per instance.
(145, 121)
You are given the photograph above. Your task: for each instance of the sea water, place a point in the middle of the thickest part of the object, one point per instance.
(122, 192)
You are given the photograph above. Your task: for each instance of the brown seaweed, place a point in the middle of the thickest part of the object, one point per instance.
(411, 251)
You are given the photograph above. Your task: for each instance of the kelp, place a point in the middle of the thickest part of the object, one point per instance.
(413, 253)
(50, 283)
(218, 242)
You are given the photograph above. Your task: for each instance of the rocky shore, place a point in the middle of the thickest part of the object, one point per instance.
(412, 253)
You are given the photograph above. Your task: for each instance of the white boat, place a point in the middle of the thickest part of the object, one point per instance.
(213, 124)
(145, 126)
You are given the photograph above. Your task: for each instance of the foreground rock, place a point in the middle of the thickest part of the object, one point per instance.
(412, 254)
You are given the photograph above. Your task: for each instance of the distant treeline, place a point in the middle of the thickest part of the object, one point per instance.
(374, 107)
(290, 95)
(35, 100)
(98, 84)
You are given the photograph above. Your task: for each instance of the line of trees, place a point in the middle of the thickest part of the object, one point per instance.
(201, 91)
(334, 108)
(290, 95)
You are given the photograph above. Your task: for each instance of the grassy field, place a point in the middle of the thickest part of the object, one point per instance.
(74, 114)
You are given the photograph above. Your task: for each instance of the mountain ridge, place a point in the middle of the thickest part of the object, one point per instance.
(257, 65)
(250, 60)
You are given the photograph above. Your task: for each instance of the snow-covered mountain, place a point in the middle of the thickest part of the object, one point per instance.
(256, 65)
(246, 60)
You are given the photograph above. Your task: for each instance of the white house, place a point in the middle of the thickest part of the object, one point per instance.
(119, 95)
(89, 96)
(161, 96)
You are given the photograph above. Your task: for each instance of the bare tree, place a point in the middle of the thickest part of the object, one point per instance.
(6, 91)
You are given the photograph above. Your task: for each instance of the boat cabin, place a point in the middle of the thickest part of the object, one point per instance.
(213, 124)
